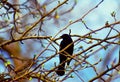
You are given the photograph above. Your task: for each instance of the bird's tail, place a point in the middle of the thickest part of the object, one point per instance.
(61, 69)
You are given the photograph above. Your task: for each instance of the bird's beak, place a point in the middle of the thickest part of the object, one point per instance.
(61, 36)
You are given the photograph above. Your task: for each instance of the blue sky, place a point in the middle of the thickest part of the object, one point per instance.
(94, 20)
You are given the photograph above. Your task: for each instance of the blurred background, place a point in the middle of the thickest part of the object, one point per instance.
(74, 17)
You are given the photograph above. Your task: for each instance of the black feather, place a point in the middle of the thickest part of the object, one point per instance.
(64, 55)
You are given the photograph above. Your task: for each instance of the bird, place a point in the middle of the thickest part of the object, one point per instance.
(66, 52)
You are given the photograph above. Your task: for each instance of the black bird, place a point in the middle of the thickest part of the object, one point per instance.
(64, 55)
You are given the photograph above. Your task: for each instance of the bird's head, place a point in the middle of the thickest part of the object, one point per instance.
(65, 36)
